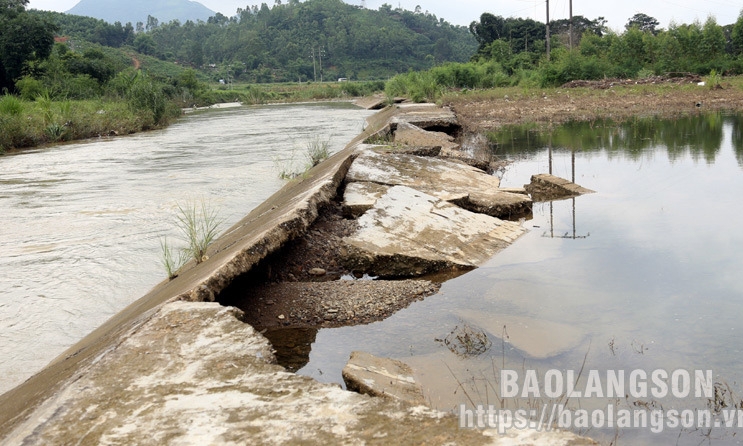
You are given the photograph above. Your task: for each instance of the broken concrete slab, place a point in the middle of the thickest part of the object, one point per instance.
(411, 135)
(384, 377)
(195, 374)
(546, 187)
(359, 197)
(446, 179)
(536, 338)
(426, 116)
(376, 102)
(409, 233)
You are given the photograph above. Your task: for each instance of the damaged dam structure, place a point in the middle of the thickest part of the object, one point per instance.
(177, 367)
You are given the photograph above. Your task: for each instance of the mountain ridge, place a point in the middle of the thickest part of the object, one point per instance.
(133, 11)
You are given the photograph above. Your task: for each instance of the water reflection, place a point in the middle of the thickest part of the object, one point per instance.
(699, 136)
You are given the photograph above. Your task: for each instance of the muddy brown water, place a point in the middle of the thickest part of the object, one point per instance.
(82, 222)
(645, 275)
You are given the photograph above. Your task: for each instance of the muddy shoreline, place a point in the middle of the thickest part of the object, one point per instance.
(617, 100)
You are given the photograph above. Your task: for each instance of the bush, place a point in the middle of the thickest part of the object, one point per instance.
(30, 88)
(147, 97)
(11, 105)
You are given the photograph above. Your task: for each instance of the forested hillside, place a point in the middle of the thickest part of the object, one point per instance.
(294, 41)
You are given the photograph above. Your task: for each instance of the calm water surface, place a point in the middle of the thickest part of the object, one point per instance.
(647, 273)
(82, 222)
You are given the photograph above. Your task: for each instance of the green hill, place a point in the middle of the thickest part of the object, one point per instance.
(315, 39)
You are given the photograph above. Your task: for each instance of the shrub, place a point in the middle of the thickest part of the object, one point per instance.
(30, 88)
(11, 105)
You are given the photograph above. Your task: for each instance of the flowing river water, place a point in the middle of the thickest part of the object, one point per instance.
(82, 222)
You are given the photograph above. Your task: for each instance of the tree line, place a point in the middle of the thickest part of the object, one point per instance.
(292, 41)
(642, 49)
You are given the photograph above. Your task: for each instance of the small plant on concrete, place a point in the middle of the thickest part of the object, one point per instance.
(318, 150)
(199, 225)
(172, 258)
(286, 167)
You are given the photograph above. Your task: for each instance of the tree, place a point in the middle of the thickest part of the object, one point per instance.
(643, 22)
(144, 44)
(737, 35)
(23, 38)
(713, 39)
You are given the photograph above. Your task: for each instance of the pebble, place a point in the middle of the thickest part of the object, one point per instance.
(317, 272)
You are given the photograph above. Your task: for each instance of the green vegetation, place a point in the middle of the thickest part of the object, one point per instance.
(512, 52)
(198, 224)
(317, 151)
(103, 79)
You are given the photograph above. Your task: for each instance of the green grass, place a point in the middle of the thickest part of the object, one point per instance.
(28, 124)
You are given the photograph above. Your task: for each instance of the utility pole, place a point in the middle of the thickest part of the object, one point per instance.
(314, 67)
(548, 30)
(321, 52)
(571, 25)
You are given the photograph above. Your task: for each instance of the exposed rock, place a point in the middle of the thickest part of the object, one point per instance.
(546, 187)
(330, 304)
(371, 375)
(411, 135)
(409, 233)
(535, 337)
(448, 180)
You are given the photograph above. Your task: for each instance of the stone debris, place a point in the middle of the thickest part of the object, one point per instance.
(360, 196)
(388, 378)
(546, 187)
(409, 233)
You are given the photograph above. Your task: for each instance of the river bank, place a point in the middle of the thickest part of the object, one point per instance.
(618, 100)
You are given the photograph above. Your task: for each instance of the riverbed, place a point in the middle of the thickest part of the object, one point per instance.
(82, 222)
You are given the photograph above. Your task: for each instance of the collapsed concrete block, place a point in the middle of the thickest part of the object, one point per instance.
(546, 187)
(409, 233)
(411, 135)
(449, 180)
(371, 375)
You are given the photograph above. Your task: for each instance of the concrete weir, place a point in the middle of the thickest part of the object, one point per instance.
(177, 368)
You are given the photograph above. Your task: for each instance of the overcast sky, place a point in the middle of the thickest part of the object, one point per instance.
(462, 12)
